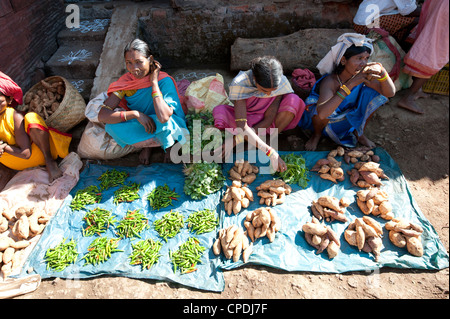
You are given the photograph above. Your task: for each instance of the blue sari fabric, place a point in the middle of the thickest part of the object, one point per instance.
(131, 132)
(350, 116)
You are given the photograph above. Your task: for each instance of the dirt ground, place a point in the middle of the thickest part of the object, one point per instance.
(418, 143)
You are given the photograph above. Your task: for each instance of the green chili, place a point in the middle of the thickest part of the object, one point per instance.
(100, 250)
(162, 197)
(145, 253)
(132, 224)
(187, 256)
(59, 257)
(97, 221)
(127, 193)
(169, 225)
(112, 178)
(86, 196)
(203, 221)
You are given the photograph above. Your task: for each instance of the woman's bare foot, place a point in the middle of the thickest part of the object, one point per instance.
(408, 103)
(311, 144)
(144, 156)
(421, 95)
(53, 171)
(366, 142)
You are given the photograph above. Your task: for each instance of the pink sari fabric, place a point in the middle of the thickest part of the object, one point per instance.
(429, 53)
(224, 114)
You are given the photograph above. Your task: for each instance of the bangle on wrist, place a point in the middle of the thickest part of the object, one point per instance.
(346, 89)
(270, 152)
(340, 95)
(384, 78)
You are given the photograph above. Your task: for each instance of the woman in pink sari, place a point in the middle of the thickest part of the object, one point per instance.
(429, 53)
(263, 99)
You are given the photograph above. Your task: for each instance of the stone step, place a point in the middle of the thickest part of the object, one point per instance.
(89, 30)
(75, 62)
(84, 86)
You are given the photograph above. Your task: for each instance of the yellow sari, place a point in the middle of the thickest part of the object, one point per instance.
(59, 142)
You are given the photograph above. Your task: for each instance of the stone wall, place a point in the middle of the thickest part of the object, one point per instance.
(28, 37)
(198, 32)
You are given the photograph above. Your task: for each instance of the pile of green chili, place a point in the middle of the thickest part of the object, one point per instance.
(169, 225)
(100, 250)
(97, 221)
(132, 224)
(161, 197)
(187, 256)
(145, 253)
(203, 221)
(87, 196)
(62, 255)
(127, 193)
(112, 178)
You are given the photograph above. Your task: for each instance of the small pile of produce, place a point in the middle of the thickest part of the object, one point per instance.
(203, 221)
(97, 221)
(61, 256)
(161, 197)
(132, 224)
(406, 234)
(100, 250)
(321, 237)
(202, 179)
(145, 253)
(233, 242)
(365, 233)
(87, 196)
(296, 171)
(360, 154)
(112, 178)
(243, 171)
(186, 257)
(169, 225)
(330, 208)
(261, 222)
(376, 202)
(29, 222)
(273, 192)
(236, 197)
(368, 174)
(330, 169)
(46, 100)
(127, 193)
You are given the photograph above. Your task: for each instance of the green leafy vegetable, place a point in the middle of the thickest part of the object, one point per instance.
(296, 172)
(203, 179)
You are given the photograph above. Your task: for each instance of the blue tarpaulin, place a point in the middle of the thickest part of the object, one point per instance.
(289, 251)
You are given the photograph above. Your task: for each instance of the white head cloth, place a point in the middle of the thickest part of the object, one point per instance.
(333, 58)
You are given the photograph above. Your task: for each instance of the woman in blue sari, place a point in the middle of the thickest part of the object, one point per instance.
(143, 108)
(348, 93)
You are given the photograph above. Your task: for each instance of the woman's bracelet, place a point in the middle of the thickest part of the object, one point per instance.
(123, 116)
(107, 107)
(270, 152)
(340, 95)
(384, 78)
(156, 94)
(346, 89)
(240, 120)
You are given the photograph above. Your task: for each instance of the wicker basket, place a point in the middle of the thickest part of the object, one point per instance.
(438, 83)
(71, 109)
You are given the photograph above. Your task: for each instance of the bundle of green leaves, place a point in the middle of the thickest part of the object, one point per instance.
(203, 179)
(296, 172)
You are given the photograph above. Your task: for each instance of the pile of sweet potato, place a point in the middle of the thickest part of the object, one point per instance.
(367, 174)
(361, 154)
(24, 224)
(406, 234)
(273, 192)
(376, 202)
(329, 168)
(261, 222)
(321, 237)
(330, 208)
(244, 172)
(236, 197)
(233, 242)
(365, 233)
(46, 100)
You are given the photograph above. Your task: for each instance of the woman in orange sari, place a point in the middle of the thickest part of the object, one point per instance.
(26, 141)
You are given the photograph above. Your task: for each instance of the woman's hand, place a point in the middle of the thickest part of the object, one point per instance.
(155, 68)
(277, 163)
(373, 70)
(2, 147)
(147, 122)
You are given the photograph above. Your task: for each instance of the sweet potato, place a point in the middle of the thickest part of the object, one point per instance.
(324, 244)
(414, 246)
(250, 178)
(329, 201)
(247, 252)
(360, 237)
(374, 224)
(5, 242)
(397, 239)
(350, 237)
(371, 178)
(216, 247)
(315, 229)
(332, 250)
(337, 173)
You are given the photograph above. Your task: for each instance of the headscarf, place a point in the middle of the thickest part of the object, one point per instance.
(333, 58)
(10, 88)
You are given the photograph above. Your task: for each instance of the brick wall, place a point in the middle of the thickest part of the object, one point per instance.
(196, 32)
(28, 37)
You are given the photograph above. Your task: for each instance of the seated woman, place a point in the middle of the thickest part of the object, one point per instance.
(350, 90)
(26, 141)
(263, 99)
(153, 116)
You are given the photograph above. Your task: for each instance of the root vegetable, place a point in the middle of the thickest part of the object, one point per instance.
(314, 229)
(397, 239)
(332, 250)
(330, 202)
(365, 233)
(8, 255)
(414, 246)
(321, 238)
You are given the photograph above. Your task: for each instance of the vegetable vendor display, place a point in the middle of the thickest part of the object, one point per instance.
(186, 257)
(145, 253)
(132, 224)
(87, 196)
(202, 179)
(97, 221)
(64, 254)
(161, 197)
(100, 250)
(127, 193)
